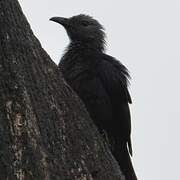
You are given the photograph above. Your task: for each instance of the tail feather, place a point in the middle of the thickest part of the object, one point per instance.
(130, 147)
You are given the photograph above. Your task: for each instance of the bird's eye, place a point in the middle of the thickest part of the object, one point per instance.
(85, 23)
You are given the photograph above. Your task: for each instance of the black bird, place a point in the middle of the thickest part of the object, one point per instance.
(101, 82)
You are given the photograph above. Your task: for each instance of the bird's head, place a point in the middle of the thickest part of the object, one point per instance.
(83, 28)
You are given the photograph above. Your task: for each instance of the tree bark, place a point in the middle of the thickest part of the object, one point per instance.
(45, 131)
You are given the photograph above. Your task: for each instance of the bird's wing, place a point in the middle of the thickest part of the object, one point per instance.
(91, 91)
(114, 77)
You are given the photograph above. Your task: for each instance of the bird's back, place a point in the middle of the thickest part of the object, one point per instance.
(101, 82)
(80, 70)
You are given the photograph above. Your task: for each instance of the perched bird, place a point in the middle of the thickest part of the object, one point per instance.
(101, 82)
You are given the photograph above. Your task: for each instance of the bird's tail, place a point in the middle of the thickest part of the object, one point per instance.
(122, 155)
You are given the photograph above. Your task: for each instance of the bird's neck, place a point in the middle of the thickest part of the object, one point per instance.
(87, 46)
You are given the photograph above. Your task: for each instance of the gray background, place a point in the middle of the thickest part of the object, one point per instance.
(145, 36)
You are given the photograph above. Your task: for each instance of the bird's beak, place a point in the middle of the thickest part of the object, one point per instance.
(61, 20)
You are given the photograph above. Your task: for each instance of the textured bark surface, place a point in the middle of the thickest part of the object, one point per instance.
(45, 131)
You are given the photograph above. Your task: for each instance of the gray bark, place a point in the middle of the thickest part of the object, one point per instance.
(45, 131)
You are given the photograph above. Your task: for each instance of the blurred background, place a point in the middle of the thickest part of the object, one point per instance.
(145, 36)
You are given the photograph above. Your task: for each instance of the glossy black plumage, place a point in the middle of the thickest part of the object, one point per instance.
(101, 82)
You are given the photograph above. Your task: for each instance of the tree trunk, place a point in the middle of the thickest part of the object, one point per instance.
(45, 131)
